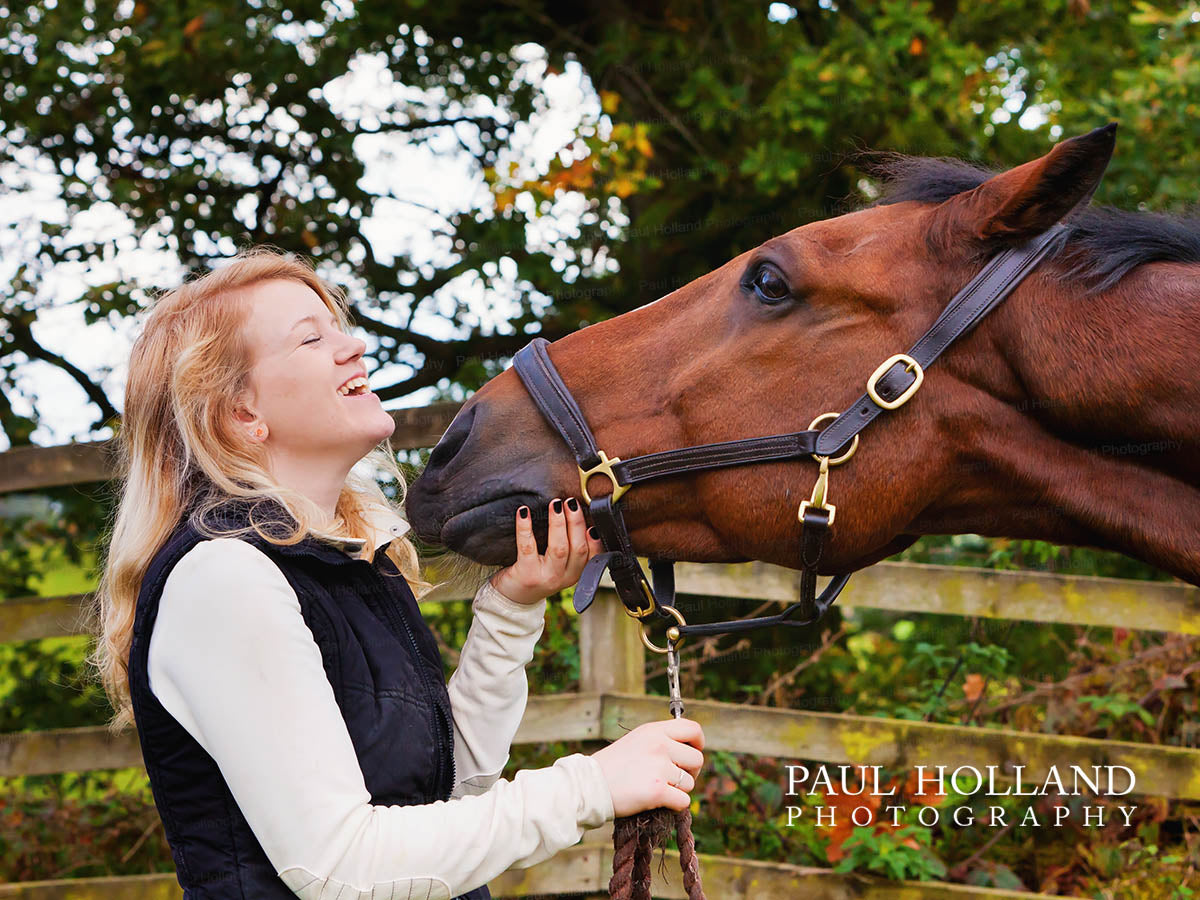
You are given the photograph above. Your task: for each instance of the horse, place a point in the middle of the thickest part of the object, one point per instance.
(1068, 414)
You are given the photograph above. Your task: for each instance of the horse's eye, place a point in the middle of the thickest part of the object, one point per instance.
(769, 285)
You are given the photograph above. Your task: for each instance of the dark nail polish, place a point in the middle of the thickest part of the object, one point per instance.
(572, 504)
(556, 506)
(523, 512)
(592, 534)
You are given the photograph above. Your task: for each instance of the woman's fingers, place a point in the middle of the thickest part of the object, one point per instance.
(686, 757)
(677, 799)
(577, 536)
(595, 545)
(681, 779)
(685, 730)
(557, 548)
(527, 551)
(568, 546)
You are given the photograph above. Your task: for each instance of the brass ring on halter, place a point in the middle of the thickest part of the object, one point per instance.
(837, 461)
(677, 638)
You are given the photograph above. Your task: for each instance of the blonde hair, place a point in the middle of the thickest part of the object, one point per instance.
(180, 450)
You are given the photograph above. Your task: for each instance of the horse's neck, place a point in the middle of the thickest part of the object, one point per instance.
(1104, 433)
(1118, 370)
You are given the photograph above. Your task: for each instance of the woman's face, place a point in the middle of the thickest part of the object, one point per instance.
(300, 365)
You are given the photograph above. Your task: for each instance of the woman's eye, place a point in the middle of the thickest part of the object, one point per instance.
(312, 340)
(769, 285)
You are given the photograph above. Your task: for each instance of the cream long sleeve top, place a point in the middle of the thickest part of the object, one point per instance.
(232, 659)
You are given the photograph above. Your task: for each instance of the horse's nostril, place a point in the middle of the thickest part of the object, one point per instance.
(452, 441)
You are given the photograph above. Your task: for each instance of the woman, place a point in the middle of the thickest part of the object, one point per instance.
(258, 621)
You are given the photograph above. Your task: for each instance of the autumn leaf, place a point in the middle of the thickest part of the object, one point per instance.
(973, 686)
(505, 199)
(642, 142)
(623, 187)
(912, 787)
(609, 101)
(843, 806)
(581, 174)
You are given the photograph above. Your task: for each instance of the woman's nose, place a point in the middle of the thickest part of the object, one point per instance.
(353, 348)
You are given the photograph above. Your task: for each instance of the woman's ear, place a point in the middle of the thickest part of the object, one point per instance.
(1027, 200)
(249, 420)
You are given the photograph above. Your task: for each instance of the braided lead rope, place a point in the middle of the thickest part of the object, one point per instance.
(636, 837)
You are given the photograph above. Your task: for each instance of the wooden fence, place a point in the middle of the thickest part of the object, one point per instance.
(612, 698)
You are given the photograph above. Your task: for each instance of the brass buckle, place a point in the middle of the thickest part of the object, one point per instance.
(820, 489)
(642, 613)
(908, 392)
(672, 632)
(604, 468)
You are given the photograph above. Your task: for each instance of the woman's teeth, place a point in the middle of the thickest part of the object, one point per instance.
(353, 386)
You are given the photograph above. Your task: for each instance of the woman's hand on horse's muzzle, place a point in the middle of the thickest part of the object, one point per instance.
(568, 548)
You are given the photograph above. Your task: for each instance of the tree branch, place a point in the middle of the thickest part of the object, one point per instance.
(422, 124)
(23, 340)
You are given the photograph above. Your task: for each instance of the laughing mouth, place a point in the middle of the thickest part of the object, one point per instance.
(355, 387)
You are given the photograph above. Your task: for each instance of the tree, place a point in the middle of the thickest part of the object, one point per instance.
(217, 124)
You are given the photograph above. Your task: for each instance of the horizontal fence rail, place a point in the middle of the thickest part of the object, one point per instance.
(897, 586)
(837, 738)
(33, 468)
(583, 871)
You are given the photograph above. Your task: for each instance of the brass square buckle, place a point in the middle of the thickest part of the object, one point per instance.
(908, 392)
(650, 606)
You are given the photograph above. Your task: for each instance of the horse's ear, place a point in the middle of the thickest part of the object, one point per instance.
(1029, 199)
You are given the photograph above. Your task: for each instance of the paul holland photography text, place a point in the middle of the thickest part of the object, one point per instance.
(966, 781)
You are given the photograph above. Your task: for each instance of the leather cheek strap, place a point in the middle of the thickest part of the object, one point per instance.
(533, 365)
(982, 294)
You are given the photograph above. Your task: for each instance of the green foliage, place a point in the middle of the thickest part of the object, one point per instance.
(739, 810)
(903, 853)
(80, 824)
(935, 666)
(1004, 553)
(1141, 868)
(43, 684)
(716, 129)
(1112, 708)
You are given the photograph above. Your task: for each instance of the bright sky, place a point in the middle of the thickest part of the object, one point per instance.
(421, 184)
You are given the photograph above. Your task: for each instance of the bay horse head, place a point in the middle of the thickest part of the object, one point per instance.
(1067, 415)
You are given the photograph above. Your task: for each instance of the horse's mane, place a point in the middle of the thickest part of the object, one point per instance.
(1104, 243)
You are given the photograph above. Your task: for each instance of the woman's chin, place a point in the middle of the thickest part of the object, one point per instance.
(387, 425)
(378, 423)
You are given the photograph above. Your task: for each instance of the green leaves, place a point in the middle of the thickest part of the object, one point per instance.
(1112, 708)
(900, 854)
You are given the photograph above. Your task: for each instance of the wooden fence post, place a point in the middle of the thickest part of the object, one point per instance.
(611, 656)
